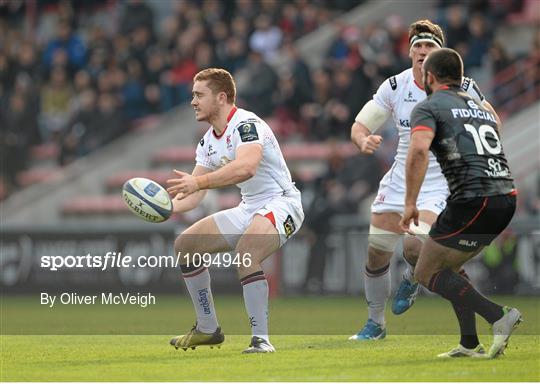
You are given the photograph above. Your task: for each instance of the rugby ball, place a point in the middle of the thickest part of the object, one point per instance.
(147, 199)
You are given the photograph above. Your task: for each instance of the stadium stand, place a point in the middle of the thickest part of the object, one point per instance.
(300, 103)
(128, 112)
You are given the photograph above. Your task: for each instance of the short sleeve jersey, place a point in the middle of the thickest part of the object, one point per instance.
(400, 94)
(466, 144)
(272, 176)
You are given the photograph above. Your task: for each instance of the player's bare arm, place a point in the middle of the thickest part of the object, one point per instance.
(237, 171)
(417, 163)
(364, 140)
(183, 203)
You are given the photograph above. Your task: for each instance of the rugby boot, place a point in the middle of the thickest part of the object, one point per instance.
(196, 338)
(461, 351)
(405, 296)
(259, 345)
(371, 331)
(502, 329)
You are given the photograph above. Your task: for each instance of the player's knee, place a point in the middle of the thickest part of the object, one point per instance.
(377, 258)
(411, 249)
(247, 255)
(382, 240)
(184, 248)
(381, 246)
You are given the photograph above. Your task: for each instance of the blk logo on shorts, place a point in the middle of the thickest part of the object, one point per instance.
(468, 243)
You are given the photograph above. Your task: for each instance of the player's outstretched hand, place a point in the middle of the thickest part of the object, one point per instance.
(370, 144)
(410, 213)
(182, 186)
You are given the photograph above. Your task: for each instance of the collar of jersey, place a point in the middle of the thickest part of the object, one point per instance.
(418, 85)
(231, 114)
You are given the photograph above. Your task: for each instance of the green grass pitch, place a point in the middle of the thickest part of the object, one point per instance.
(126, 343)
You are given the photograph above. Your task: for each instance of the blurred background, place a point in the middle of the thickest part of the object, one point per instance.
(95, 92)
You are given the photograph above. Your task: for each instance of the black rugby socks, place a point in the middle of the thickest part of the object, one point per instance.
(460, 292)
(467, 322)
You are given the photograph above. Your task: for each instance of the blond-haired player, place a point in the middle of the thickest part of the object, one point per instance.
(238, 149)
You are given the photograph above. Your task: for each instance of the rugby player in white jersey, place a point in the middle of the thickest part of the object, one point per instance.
(239, 148)
(396, 97)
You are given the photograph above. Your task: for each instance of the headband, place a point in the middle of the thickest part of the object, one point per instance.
(426, 36)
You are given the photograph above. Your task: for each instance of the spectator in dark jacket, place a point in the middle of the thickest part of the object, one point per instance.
(69, 42)
(261, 82)
(137, 14)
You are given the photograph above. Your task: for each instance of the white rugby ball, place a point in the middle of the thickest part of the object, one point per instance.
(147, 199)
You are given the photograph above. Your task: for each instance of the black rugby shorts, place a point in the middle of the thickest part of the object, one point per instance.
(468, 224)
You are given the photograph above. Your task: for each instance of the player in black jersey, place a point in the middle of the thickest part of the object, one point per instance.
(464, 138)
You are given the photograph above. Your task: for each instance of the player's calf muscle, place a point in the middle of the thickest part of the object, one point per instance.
(423, 275)
(244, 270)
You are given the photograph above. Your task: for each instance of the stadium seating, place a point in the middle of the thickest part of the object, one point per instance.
(37, 175)
(291, 152)
(112, 204)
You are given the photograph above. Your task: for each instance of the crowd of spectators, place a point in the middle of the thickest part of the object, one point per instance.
(78, 74)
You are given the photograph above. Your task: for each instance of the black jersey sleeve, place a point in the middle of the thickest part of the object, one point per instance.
(422, 117)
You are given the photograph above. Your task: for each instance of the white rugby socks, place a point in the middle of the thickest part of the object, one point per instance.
(255, 289)
(198, 284)
(409, 270)
(377, 287)
(409, 274)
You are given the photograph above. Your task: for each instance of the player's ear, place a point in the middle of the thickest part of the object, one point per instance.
(222, 98)
(429, 77)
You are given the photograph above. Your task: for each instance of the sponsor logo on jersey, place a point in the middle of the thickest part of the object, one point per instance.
(474, 113)
(393, 83)
(228, 140)
(405, 123)
(248, 132)
(410, 98)
(465, 84)
(289, 226)
(496, 169)
(211, 150)
(468, 243)
(224, 161)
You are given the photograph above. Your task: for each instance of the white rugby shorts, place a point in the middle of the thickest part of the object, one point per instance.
(392, 199)
(284, 211)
